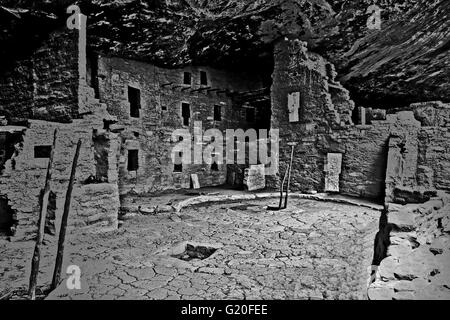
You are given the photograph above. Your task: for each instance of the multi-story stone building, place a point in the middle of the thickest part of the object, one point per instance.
(125, 112)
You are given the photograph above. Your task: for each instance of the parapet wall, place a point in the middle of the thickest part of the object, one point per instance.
(24, 178)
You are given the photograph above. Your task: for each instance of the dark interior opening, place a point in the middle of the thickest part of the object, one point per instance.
(217, 113)
(203, 78)
(178, 165)
(187, 78)
(250, 114)
(6, 216)
(134, 98)
(101, 155)
(355, 116)
(93, 73)
(133, 160)
(186, 113)
(8, 142)
(42, 152)
(195, 252)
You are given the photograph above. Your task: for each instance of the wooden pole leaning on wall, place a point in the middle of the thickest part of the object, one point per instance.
(65, 216)
(292, 144)
(41, 224)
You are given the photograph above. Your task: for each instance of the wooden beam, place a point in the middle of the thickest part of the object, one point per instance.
(201, 89)
(65, 216)
(166, 84)
(41, 224)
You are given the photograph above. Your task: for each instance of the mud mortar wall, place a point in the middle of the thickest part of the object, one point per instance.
(24, 177)
(160, 115)
(44, 85)
(400, 153)
(48, 87)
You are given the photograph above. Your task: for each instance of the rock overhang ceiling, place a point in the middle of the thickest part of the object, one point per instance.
(406, 61)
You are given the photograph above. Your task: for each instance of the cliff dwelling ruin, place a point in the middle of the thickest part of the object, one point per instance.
(348, 164)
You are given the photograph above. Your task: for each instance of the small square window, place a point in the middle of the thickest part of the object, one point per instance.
(133, 160)
(42, 152)
(203, 78)
(187, 79)
(164, 108)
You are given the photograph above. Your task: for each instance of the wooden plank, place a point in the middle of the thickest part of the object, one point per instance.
(195, 182)
(41, 224)
(65, 216)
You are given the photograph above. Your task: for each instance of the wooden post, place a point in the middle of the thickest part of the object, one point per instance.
(65, 216)
(41, 224)
(281, 190)
(281, 193)
(289, 175)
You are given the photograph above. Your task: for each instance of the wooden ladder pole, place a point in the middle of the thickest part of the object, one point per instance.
(289, 177)
(65, 216)
(41, 224)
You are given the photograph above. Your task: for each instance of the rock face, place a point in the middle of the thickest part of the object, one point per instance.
(404, 62)
(418, 262)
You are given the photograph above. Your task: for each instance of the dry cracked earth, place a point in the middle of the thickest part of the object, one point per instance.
(312, 250)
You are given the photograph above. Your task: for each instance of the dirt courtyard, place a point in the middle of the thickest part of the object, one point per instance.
(238, 250)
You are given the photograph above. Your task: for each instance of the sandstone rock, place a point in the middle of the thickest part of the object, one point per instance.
(402, 285)
(399, 251)
(439, 245)
(255, 178)
(431, 292)
(380, 293)
(402, 220)
(404, 295)
(387, 268)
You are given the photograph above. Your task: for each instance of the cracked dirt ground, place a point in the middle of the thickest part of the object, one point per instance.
(312, 250)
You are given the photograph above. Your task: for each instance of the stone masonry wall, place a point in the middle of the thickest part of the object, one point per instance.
(162, 93)
(49, 87)
(400, 153)
(43, 86)
(94, 206)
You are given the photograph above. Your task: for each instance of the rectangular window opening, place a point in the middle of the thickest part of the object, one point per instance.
(187, 78)
(178, 166)
(217, 113)
(250, 115)
(42, 152)
(133, 160)
(185, 113)
(134, 98)
(203, 78)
